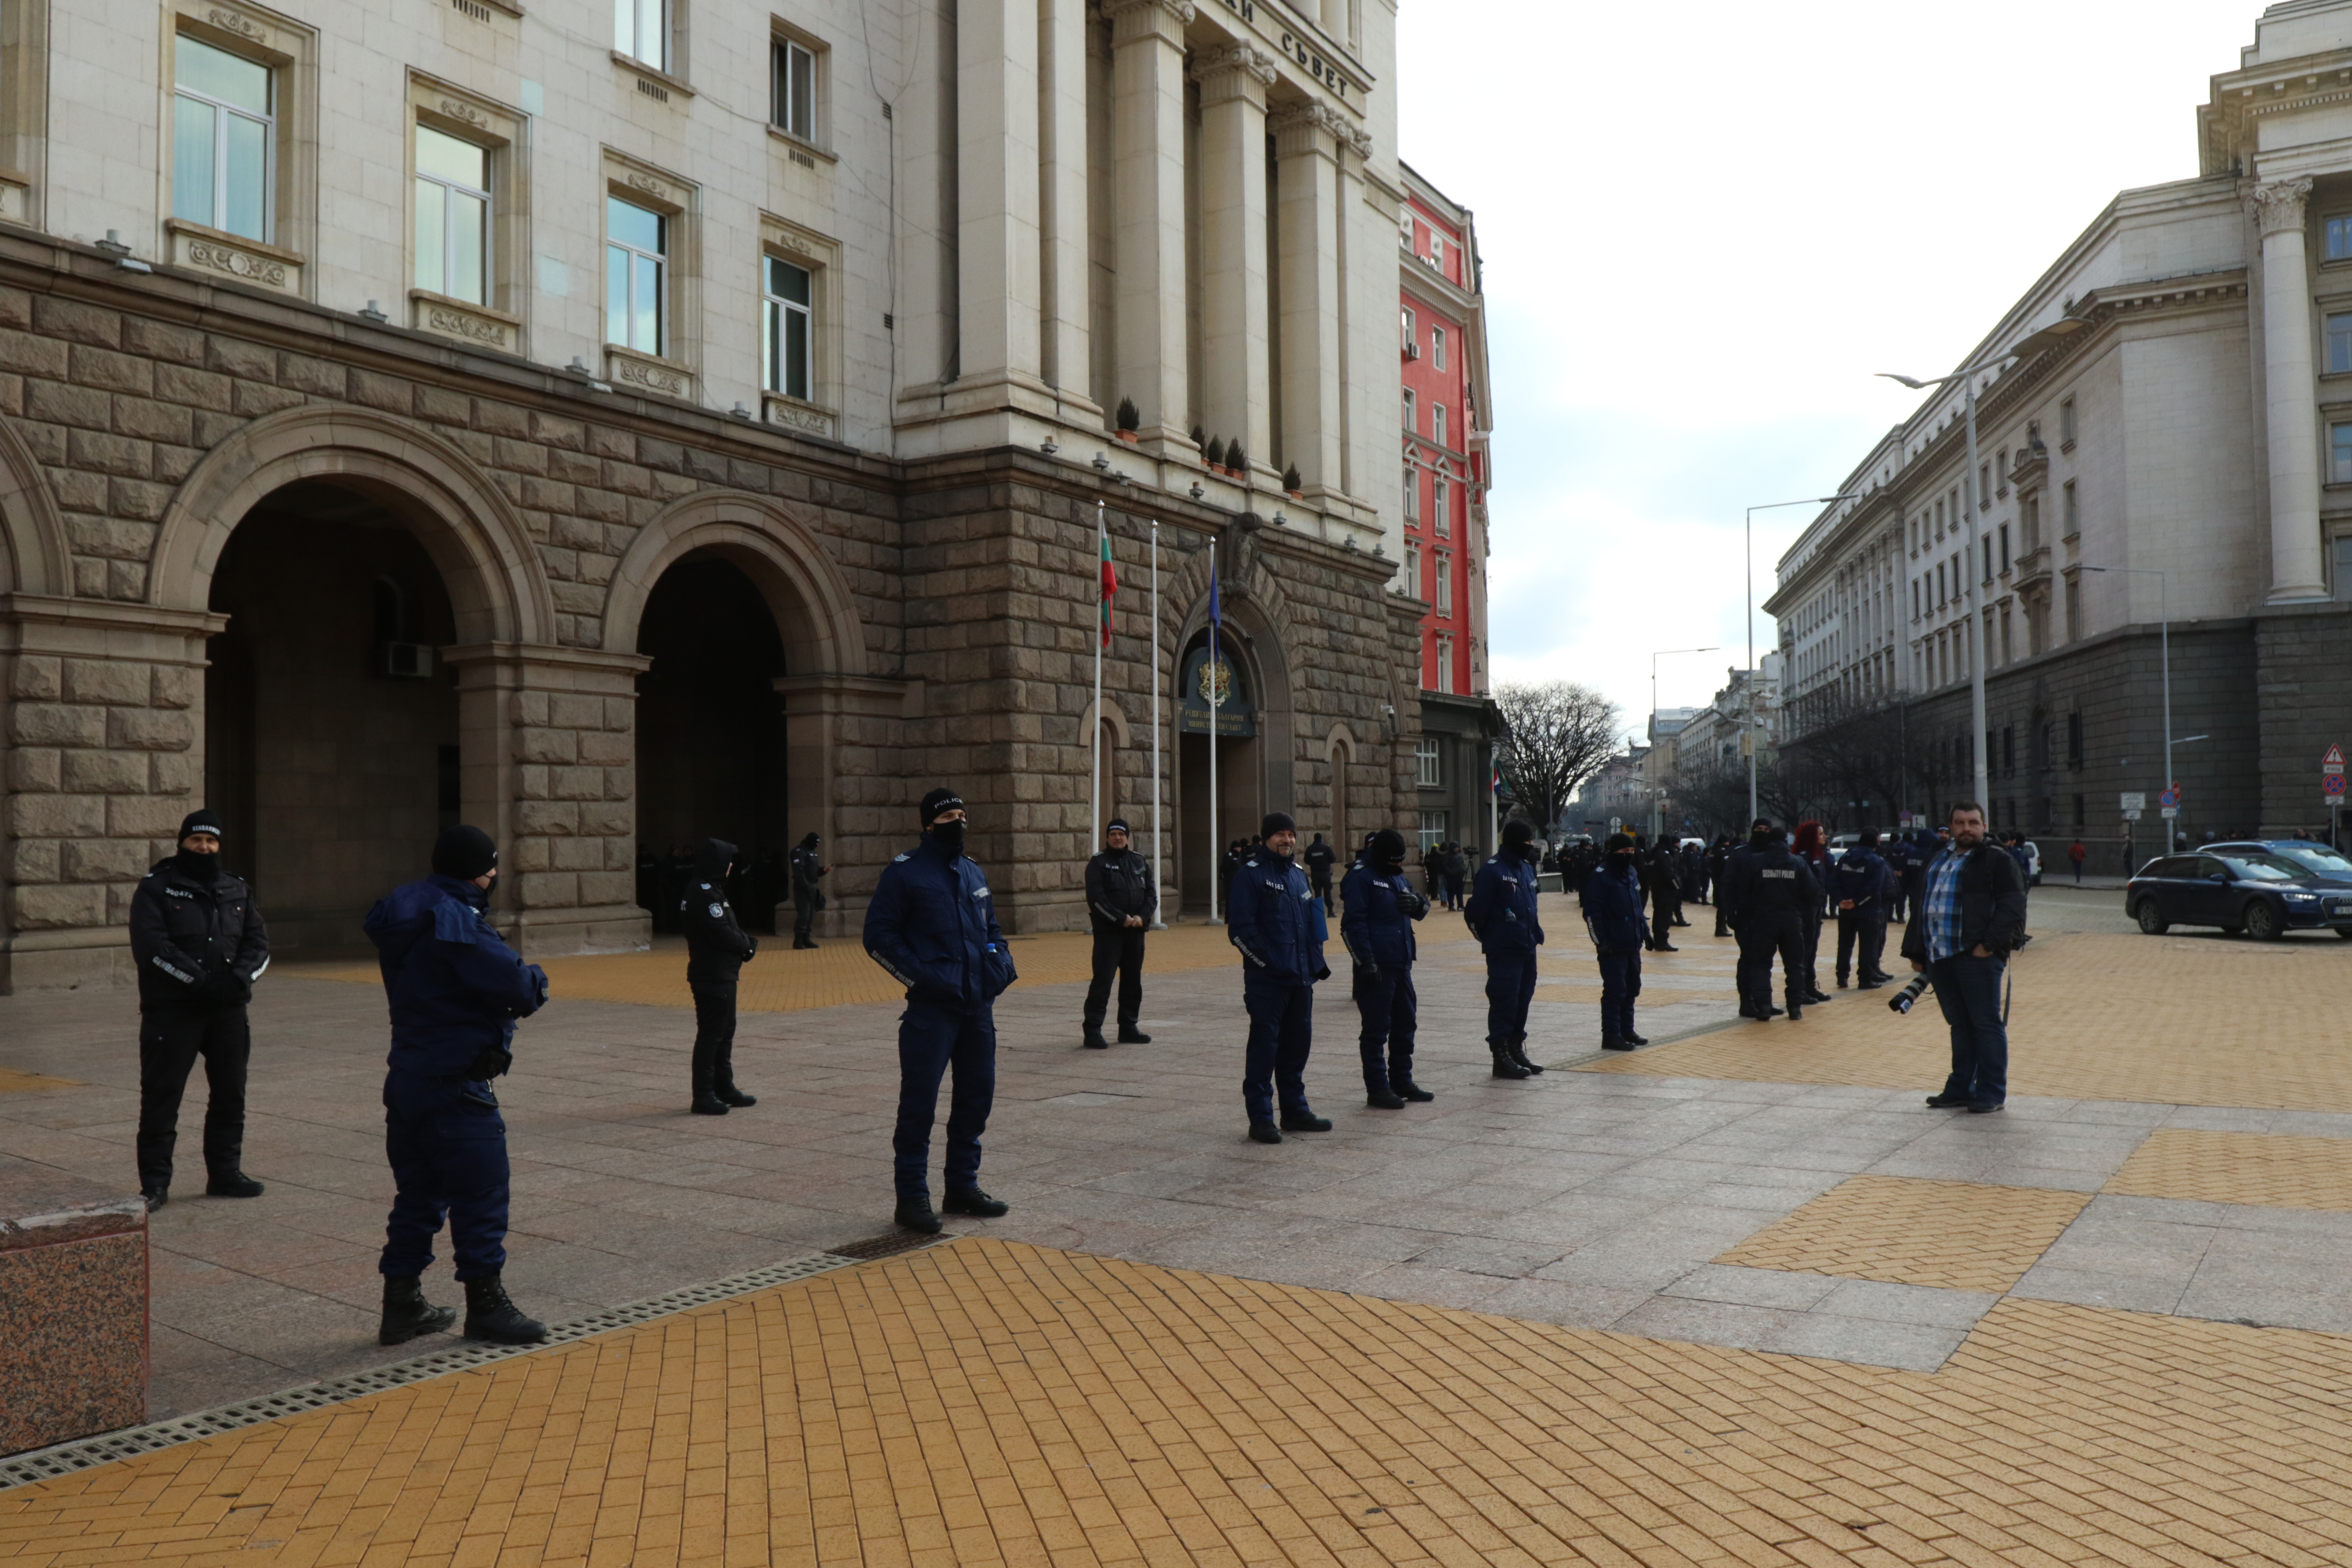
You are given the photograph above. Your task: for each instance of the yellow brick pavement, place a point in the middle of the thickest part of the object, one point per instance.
(2272, 1170)
(15, 1082)
(1961, 1236)
(2174, 1020)
(991, 1402)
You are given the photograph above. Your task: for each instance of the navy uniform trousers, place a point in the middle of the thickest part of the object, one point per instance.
(1620, 983)
(1510, 986)
(1281, 1033)
(447, 1146)
(933, 1038)
(1763, 933)
(1391, 1012)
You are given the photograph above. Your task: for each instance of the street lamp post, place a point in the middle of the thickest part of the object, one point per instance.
(1666, 653)
(1752, 723)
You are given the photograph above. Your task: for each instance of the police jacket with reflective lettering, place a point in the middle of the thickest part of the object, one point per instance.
(1501, 909)
(932, 924)
(197, 945)
(1861, 877)
(1773, 880)
(1378, 906)
(1276, 922)
(454, 987)
(1118, 884)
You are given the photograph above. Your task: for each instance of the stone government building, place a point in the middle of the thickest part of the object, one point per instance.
(615, 430)
(2189, 450)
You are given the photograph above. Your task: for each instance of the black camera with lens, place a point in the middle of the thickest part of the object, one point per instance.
(1902, 1000)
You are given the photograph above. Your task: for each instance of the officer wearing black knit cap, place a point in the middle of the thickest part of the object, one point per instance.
(1120, 903)
(1378, 906)
(932, 924)
(197, 938)
(1501, 914)
(1278, 924)
(717, 948)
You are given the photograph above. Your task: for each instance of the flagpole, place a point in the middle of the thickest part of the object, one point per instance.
(1159, 861)
(1102, 635)
(1216, 844)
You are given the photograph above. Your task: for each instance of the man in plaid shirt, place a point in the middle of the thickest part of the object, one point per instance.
(1970, 917)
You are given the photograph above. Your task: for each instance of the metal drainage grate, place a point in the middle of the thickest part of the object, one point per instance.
(883, 1245)
(65, 1459)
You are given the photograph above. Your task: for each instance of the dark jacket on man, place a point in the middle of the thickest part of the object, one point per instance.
(1378, 906)
(716, 944)
(808, 871)
(1613, 904)
(1501, 909)
(196, 943)
(1861, 878)
(1118, 884)
(932, 924)
(1279, 935)
(1317, 859)
(1992, 903)
(1772, 880)
(455, 988)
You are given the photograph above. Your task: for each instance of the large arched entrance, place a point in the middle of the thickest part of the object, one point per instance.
(712, 755)
(1239, 789)
(330, 723)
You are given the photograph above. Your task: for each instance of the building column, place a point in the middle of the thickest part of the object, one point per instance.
(1148, 155)
(998, 280)
(1237, 394)
(1065, 358)
(1306, 155)
(2294, 420)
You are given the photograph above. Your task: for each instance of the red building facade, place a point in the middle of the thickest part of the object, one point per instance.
(1446, 423)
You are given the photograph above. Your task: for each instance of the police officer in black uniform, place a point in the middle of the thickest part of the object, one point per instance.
(1378, 906)
(197, 938)
(716, 951)
(1319, 858)
(808, 894)
(1501, 913)
(1773, 890)
(1120, 902)
(1276, 924)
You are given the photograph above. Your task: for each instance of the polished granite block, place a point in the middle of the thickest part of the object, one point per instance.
(73, 1308)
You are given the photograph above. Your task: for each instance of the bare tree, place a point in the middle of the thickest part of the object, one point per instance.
(1556, 735)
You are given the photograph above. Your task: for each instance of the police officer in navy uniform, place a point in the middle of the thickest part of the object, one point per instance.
(1773, 889)
(1318, 859)
(197, 938)
(456, 991)
(1858, 891)
(1611, 902)
(932, 924)
(1121, 903)
(716, 951)
(808, 869)
(1377, 908)
(1278, 924)
(1501, 913)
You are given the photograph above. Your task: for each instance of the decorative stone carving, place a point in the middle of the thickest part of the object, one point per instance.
(236, 22)
(456, 318)
(1308, 118)
(802, 416)
(457, 110)
(2279, 204)
(247, 262)
(637, 370)
(1221, 72)
(637, 180)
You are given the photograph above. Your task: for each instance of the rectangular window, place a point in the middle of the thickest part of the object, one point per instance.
(2074, 609)
(2339, 238)
(1406, 328)
(453, 217)
(1987, 543)
(1412, 570)
(1437, 423)
(787, 296)
(223, 131)
(2066, 421)
(2339, 343)
(1410, 423)
(1437, 347)
(2340, 454)
(2009, 749)
(2341, 545)
(2074, 740)
(636, 253)
(1433, 829)
(641, 30)
(1444, 664)
(1445, 582)
(2004, 547)
(1427, 768)
(794, 91)
(1404, 225)
(1411, 493)
(1939, 518)
(1943, 592)
(1437, 251)
(1915, 598)
(1440, 508)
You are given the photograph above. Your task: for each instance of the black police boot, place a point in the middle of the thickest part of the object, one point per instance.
(1665, 947)
(1304, 1122)
(1947, 1102)
(1408, 1089)
(974, 1202)
(728, 1094)
(915, 1213)
(1612, 1043)
(1748, 1010)
(406, 1312)
(1796, 1007)
(489, 1315)
(708, 1104)
(1094, 1040)
(1384, 1098)
(1129, 1035)
(232, 1184)
(1507, 1066)
(1842, 985)
(155, 1196)
(1264, 1133)
(801, 944)
(1519, 1055)
(1634, 1039)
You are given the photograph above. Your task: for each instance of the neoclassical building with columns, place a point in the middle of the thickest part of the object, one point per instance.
(2180, 459)
(618, 424)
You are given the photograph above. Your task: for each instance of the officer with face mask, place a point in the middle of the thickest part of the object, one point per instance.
(1502, 915)
(932, 924)
(1277, 925)
(197, 938)
(1611, 902)
(1773, 890)
(716, 951)
(808, 893)
(456, 991)
(1377, 908)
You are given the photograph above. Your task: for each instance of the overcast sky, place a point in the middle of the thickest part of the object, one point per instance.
(1704, 226)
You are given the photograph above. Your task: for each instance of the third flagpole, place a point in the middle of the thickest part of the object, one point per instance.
(1216, 849)
(1159, 859)
(1102, 636)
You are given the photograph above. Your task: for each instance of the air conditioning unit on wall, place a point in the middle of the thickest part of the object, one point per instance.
(1413, 351)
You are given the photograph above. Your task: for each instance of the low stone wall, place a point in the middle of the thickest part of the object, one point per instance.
(73, 1308)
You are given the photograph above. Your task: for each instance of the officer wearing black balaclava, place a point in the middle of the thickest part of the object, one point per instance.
(1121, 901)
(1612, 900)
(932, 924)
(1277, 925)
(1773, 889)
(1501, 914)
(197, 938)
(716, 951)
(808, 894)
(1378, 906)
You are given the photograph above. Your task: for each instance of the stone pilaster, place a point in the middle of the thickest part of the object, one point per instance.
(1148, 157)
(1236, 393)
(841, 737)
(1064, 218)
(1307, 153)
(997, 276)
(2294, 419)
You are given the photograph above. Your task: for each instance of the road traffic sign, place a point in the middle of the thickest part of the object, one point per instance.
(2332, 762)
(2332, 787)
(2131, 817)
(2169, 812)
(2169, 800)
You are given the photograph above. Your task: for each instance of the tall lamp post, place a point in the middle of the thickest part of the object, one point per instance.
(1753, 724)
(2033, 343)
(1656, 809)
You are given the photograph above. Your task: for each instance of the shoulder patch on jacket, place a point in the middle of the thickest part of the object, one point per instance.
(896, 858)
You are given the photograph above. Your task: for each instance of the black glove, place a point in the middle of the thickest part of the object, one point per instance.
(1322, 972)
(490, 1062)
(750, 948)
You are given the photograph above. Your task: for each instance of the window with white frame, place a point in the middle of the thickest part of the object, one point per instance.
(1445, 582)
(1437, 251)
(2340, 454)
(1404, 225)
(641, 31)
(2070, 509)
(1409, 423)
(2339, 238)
(1405, 328)
(453, 217)
(1444, 663)
(1411, 493)
(1433, 830)
(224, 138)
(2339, 343)
(1437, 423)
(1428, 768)
(2066, 420)
(1441, 507)
(637, 259)
(794, 91)
(1437, 347)
(1412, 570)
(787, 296)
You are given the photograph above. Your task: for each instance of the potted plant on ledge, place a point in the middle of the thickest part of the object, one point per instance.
(1129, 421)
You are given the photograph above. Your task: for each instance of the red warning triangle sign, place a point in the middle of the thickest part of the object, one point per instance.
(2334, 759)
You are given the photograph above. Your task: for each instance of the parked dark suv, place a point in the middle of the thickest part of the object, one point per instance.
(2259, 888)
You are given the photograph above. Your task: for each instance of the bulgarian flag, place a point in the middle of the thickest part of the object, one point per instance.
(1110, 582)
